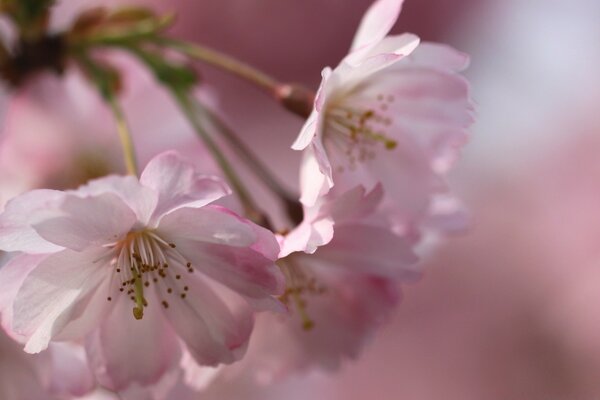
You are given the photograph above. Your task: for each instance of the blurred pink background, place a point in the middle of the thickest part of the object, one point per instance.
(509, 310)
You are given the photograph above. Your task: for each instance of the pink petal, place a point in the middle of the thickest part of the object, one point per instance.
(142, 200)
(242, 269)
(308, 132)
(125, 351)
(98, 220)
(389, 51)
(12, 276)
(353, 204)
(226, 247)
(215, 331)
(21, 375)
(376, 23)
(179, 184)
(369, 249)
(313, 181)
(441, 56)
(16, 232)
(71, 375)
(307, 237)
(211, 224)
(44, 303)
(431, 108)
(311, 126)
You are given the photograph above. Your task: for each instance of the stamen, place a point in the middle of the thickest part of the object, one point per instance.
(138, 310)
(299, 285)
(355, 132)
(142, 258)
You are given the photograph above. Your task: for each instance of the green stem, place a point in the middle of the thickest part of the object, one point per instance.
(105, 81)
(124, 135)
(188, 107)
(224, 62)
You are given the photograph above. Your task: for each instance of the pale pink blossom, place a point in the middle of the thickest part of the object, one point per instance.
(343, 270)
(392, 112)
(142, 270)
(59, 373)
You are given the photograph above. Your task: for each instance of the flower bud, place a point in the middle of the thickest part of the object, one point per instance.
(296, 98)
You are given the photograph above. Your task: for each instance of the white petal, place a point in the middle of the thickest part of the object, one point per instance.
(313, 182)
(12, 276)
(44, 303)
(142, 200)
(211, 224)
(369, 249)
(126, 351)
(179, 184)
(308, 132)
(441, 56)
(214, 331)
(389, 51)
(242, 269)
(16, 232)
(376, 23)
(89, 221)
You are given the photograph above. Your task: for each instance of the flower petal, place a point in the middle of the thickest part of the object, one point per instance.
(84, 222)
(389, 51)
(142, 200)
(352, 205)
(308, 132)
(179, 184)
(441, 56)
(210, 224)
(227, 248)
(313, 181)
(16, 232)
(71, 375)
(369, 249)
(125, 351)
(215, 327)
(311, 126)
(12, 276)
(243, 269)
(307, 237)
(44, 303)
(376, 23)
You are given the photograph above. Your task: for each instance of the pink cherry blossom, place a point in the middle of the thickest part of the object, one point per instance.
(142, 270)
(343, 270)
(392, 112)
(57, 374)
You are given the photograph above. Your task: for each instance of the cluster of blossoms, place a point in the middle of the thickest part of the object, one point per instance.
(150, 286)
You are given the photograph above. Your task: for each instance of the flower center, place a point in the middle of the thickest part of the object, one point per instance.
(299, 285)
(358, 131)
(143, 259)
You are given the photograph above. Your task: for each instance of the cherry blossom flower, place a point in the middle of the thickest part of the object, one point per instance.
(392, 112)
(142, 270)
(343, 270)
(60, 373)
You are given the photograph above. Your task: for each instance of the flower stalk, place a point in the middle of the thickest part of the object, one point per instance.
(108, 81)
(223, 62)
(290, 200)
(124, 135)
(189, 109)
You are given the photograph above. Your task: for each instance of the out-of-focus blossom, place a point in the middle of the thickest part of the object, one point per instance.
(58, 133)
(340, 288)
(60, 373)
(388, 114)
(136, 267)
